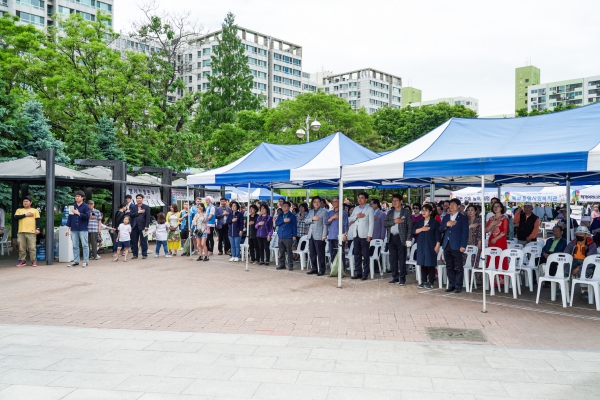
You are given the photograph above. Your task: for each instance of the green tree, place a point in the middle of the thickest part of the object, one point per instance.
(231, 80)
(106, 136)
(334, 113)
(398, 127)
(37, 128)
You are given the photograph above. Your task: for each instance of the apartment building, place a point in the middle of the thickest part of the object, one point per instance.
(368, 88)
(40, 12)
(578, 92)
(469, 102)
(524, 78)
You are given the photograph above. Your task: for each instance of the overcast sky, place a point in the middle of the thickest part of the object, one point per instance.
(445, 48)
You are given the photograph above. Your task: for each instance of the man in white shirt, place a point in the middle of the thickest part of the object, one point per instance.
(364, 219)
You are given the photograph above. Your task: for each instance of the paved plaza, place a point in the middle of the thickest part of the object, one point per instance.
(175, 328)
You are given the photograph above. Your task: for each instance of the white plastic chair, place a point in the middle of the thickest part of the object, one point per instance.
(516, 246)
(558, 278)
(350, 258)
(385, 255)
(375, 247)
(302, 251)
(441, 269)
(494, 254)
(514, 256)
(274, 248)
(528, 264)
(592, 283)
(4, 244)
(471, 252)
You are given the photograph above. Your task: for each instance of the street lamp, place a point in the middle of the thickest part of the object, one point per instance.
(300, 133)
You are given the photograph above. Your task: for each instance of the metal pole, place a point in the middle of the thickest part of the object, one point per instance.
(50, 181)
(432, 192)
(568, 216)
(189, 217)
(307, 141)
(248, 228)
(482, 256)
(340, 230)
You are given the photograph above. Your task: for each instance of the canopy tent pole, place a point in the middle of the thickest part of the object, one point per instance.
(189, 217)
(248, 227)
(432, 192)
(568, 216)
(482, 256)
(340, 230)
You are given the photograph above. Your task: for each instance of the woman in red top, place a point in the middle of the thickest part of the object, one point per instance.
(498, 226)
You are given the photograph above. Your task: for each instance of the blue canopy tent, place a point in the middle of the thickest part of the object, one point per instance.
(551, 149)
(310, 165)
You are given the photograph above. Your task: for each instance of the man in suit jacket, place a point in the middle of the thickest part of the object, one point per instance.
(363, 218)
(398, 222)
(455, 227)
(140, 221)
(317, 234)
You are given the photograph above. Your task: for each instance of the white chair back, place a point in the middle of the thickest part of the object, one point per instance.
(514, 257)
(413, 252)
(591, 262)
(493, 253)
(471, 253)
(561, 259)
(515, 246)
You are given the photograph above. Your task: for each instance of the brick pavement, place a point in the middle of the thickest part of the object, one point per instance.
(182, 295)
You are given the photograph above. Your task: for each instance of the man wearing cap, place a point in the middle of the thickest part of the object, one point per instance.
(77, 227)
(527, 224)
(581, 247)
(562, 221)
(94, 225)
(29, 226)
(212, 219)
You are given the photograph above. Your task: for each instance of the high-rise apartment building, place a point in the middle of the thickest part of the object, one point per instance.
(525, 77)
(578, 92)
(469, 102)
(411, 95)
(39, 12)
(368, 88)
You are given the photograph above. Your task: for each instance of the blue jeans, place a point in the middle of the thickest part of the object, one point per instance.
(77, 237)
(235, 246)
(162, 243)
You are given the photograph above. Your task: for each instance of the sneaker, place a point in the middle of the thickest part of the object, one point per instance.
(34, 264)
(23, 263)
(231, 259)
(84, 265)
(73, 264)
(168, 256)
(421, 285)
(156, 256)
(428, 286)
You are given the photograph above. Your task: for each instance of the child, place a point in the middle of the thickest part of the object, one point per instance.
(123, 239)
(162, 234)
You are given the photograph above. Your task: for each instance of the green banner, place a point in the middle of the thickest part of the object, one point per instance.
(302, 192)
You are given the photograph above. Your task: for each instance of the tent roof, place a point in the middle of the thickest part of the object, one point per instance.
(30, 168)
(306, 164)
(544, 148)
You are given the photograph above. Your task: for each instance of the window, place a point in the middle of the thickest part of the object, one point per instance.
(86, 16)
(30, 19)
(206, 63)
(104, 7)
(37, 4)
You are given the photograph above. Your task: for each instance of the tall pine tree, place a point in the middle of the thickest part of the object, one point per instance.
(106, 134)
(36, 125)
(231, 80)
